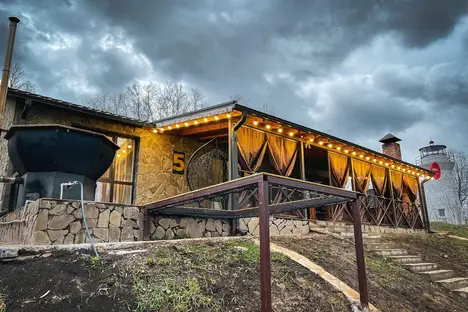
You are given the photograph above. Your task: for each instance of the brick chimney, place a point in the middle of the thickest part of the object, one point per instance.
(390, 146)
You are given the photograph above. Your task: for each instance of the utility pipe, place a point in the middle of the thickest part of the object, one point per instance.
(6, 68)
(11, 180)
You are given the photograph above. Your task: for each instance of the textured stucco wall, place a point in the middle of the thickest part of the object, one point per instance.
(155, 179)
(5, 165)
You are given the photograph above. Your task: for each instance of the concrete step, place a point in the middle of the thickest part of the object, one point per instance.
(391, 252)
(376, 246)
(365, 236)
(420, 267)
(406, 259)
(438, 274)
(454, 282)
(462, 291)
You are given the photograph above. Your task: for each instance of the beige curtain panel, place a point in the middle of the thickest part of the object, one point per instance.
(252, 146)
(397, 183)
(362, 171)
(379, 180)
(283, 154)
(412, 185)
(339, 166)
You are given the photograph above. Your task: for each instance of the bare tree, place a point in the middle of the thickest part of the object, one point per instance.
(240, 99)
(150, 102)
(455, 190)
(17, 79)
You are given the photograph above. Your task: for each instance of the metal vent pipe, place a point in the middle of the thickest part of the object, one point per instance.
(6, 68)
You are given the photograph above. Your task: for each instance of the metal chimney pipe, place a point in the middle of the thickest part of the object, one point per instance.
(6, 68)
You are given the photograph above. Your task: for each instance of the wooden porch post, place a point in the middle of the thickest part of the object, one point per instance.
(389, 173)
(303, 177)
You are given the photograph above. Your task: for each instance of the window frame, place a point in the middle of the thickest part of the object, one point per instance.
(440, 214)
(136, 152)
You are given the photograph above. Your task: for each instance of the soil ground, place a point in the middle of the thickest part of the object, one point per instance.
(458, 230)
(391, 287)
(221, 276)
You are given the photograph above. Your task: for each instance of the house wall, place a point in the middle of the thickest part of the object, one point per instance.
(155, 179)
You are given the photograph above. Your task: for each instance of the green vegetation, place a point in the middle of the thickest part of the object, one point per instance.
(180, 295)
(181, 236)
(95, 261)
(452, 229)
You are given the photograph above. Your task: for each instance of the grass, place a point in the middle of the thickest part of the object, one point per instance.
(453, 229)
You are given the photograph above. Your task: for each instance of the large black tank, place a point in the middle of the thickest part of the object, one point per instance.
(49, 155)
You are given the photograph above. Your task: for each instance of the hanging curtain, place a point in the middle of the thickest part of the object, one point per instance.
(412, 186)
(339, 166)
(361, 175)
(397, 183)
(283, 154)
(252, 146)
(379, 180)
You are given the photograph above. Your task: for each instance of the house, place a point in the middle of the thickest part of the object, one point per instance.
(195, 150)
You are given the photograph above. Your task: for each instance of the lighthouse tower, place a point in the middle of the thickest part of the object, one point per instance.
(441, 199)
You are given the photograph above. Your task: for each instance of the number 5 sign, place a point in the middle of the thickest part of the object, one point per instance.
(178, 163)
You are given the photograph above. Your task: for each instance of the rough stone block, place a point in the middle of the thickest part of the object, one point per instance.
(60, 222)
(152, 227)
(41, 238)
(76, 204)
(103, 221)
(91, 211)
(194, 229)
(101, 233)
(70, 209)
(160, 232)
(165, 223)
(210, 225)
(80, 237)
(127, 234)
(131, 213)
(56, 234)
(92, 223)
(219, 226)
(115, 218)
(58, 210)
(42, 220)
(131, 223)
(114, 233)
(169, 234)
(138, 235)
(48, 204)
(69, 239)
(75, 227)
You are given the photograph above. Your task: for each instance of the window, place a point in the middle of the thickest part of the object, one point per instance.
(116, 185)
(441, 212)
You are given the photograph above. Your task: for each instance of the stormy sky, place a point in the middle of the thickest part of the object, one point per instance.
(355, 68)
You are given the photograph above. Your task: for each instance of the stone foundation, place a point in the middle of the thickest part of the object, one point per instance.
(54, 222)
(185, 227)
(278, 226)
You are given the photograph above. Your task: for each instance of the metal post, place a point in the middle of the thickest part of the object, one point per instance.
(392, 197)
(303, 177)
(427, 224)
(360, 260)
(264, 224)
(6, 68)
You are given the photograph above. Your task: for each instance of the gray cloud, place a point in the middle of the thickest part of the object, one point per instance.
(361, 68)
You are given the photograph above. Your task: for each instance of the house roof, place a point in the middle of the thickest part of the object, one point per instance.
(389, 138)
(76, 107)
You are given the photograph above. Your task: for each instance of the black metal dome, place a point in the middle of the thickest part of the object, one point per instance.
(57, 148)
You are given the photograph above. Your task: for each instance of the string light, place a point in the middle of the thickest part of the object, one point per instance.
(404, 169)
(162, 130)
(354, 153)
(311, 140)
(216, 118)
(228, 115)
(380, 162)
(280, 130)
(361, 156)
(330, 145)
(393, 166)
(155, 131)
(398, 168)
(170, 127)
(432, 178)
(320, 142)
(124, 151)
(418, 174)
(338, 148)
(422, 177)
(291, 133)
(129, 146)
(386, 164)
(367, 158)
(196, 122)
(186, 124)
(177, 126)
(205, 119)
(118, 155)
(255, 123)
(268, 127)
(346, 151)
(374, 160)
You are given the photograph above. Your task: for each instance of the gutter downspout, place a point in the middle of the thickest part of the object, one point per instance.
(6, 68)
(234, 171)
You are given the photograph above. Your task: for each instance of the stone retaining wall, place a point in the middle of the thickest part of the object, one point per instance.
(180, 227)
(18, 227)
(278, 226)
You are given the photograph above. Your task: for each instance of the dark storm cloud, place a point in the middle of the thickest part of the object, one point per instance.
(289, 54)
